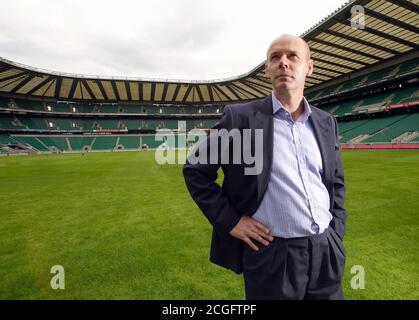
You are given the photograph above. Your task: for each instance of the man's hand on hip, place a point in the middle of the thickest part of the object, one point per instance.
(248, 228)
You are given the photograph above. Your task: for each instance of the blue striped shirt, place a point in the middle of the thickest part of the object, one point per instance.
(296, 202)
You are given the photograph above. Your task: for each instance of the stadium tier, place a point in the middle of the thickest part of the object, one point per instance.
(394, 72)
(382, 127)
(373, 102)
(130, 142)
(368, 79)
(54, 107)
(80, 143)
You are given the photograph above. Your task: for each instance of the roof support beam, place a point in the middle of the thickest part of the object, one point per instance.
(363, 42)
(140, 91)
(198, 89)
(209, 87)
(22, 83)
(40, 85)
(384, 35)
(164, 93)
(73, 88)
(220, 93)
(251, 85)
(176, 91)
(233, 91)
(58, 87)
(406, 4)
(244, 90)
(128, 89)
(361, 53)
(391, 20)
(102, 89)
(5, 67)
(153, 91)
(327, 69)
(115, 90)
(89, 90)
(338, 56)
(337, 64)
(13, 76)
(188, 91)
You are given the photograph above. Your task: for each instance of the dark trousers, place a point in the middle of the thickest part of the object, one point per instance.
(297, 268)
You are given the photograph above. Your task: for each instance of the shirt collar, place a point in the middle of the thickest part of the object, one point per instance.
(279, 109)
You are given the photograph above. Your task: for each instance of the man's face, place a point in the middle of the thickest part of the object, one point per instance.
(288, 64)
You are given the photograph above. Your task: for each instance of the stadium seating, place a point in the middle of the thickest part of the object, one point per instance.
(63, 124)
(104, 143)
(397, 128)
(130, 142)
(79, 143)
(131, 124)
(6, 139)
(409, 67)
(32, 141)
(107, 108)
(4, 102)
(409, 123)
(88, 124)
(373, 102)
(386, 73)
(151, 124)
(29, 104)
(34, 123)
(10, 122)
(370, 127)
(130, 108)
(59, 143)
(108, 124)
(406, 95)
(150, 141)
(60, 107)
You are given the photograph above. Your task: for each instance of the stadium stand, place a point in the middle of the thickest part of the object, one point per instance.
(80, 143)
(32, 141)
(58, 143)
(367, 78)
(104, 143)
(130, 142)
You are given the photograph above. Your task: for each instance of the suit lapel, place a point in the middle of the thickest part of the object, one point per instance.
(263, 119)
(321, 126)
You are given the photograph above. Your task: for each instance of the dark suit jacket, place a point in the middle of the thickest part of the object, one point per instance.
(241, 194)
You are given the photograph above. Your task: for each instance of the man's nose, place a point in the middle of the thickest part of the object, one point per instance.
(283, 62)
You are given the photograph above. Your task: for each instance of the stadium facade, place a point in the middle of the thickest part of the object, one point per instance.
(366, 74)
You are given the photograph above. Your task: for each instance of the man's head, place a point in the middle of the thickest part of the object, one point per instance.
(288, 63)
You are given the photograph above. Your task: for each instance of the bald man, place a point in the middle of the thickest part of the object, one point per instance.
(282, 228)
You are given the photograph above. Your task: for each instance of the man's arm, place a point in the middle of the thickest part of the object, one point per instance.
(200, 181)
(212, 200)
(338, 211)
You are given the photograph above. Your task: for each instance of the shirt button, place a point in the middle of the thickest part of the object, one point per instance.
(315, 227)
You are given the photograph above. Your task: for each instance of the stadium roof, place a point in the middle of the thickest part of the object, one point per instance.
(338, 49)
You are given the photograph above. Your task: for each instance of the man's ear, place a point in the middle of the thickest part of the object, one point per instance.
(266, 71)
(310, 67)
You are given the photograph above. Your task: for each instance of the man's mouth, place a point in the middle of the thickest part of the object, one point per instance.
(284, 76)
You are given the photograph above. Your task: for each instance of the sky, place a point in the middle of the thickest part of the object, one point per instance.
(164, 39)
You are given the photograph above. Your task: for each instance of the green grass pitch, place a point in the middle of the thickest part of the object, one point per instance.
(124, 227)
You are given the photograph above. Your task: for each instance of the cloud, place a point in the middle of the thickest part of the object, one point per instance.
(184, 39)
